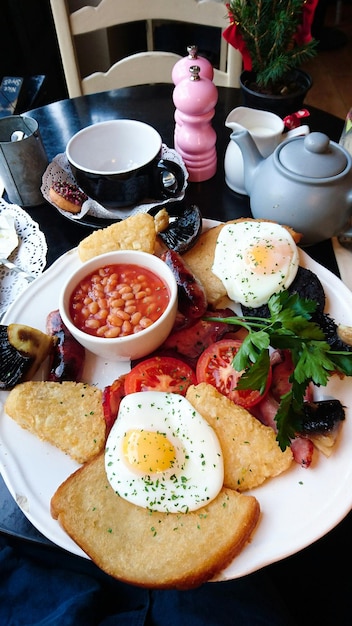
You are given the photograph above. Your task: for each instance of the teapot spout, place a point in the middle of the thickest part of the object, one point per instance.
(250, 153)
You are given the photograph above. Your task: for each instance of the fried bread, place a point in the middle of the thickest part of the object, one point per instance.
(151, 549)
(200, 260)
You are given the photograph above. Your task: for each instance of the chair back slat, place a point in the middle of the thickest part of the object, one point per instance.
(142, 67)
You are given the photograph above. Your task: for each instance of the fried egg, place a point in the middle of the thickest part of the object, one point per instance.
(254, 260)
(161, 454)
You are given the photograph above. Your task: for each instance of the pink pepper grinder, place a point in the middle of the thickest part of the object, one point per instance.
(195, 98)
(181, 68)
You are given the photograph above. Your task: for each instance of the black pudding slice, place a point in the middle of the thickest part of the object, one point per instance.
(329, 328)
(306, 284)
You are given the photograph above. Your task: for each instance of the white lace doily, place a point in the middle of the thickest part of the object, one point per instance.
(30, 255)
(59, 170)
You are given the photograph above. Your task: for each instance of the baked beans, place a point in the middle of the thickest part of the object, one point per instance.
(118, 300)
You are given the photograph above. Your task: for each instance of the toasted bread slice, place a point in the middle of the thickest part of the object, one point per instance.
(200, 260)
(155, 550)
(136, 232)
(250, 450)
(68, 415)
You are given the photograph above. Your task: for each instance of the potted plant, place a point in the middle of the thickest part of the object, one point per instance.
(274, 38)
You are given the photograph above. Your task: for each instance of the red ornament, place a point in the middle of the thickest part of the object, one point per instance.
(294, 120)
(304, 34)
(233, 36)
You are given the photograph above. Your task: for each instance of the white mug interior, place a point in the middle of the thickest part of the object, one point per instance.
(114, 147)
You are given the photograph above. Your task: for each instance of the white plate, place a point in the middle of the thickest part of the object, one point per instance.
(297, 508)
(30, 255)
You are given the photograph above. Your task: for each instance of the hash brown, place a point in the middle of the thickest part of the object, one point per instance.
(136, 232)
(250, 450)
(68, 415)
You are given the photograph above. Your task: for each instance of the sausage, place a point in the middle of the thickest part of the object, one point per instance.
(192, 300)
(192, 341)
(68, 357)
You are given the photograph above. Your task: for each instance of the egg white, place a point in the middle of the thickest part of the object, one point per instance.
(198, 473)
(254, 260)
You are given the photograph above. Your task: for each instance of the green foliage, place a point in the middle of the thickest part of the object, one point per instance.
(268, 28)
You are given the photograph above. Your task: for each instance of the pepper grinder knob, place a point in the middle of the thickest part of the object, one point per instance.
(181, 68)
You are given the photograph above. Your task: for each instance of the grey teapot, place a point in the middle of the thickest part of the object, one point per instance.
(305, 183)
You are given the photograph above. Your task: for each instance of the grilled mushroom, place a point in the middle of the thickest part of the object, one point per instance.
(182, 233)
(321, 416)
(22, 350)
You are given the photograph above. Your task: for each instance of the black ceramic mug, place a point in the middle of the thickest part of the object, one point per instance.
(118, 163)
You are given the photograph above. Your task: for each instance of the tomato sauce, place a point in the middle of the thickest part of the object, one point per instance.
(118, 300)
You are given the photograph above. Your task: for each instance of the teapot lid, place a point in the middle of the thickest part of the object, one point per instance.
(312, 156)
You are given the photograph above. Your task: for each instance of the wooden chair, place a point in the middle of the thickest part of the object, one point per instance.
(143, 67)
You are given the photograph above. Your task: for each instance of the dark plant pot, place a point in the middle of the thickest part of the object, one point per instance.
(281, 104)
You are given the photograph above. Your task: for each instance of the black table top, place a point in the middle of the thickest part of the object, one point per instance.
(152, 104)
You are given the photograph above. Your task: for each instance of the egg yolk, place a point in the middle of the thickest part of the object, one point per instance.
(265, 258)
(148, 451)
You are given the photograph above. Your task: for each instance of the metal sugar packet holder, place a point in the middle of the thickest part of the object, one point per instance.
(23, 159)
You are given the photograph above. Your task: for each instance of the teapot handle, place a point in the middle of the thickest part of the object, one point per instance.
(297, 132)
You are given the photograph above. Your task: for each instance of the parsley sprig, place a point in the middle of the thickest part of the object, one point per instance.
(289, 327)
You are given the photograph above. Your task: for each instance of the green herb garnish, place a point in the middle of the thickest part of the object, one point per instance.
(289, 327)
